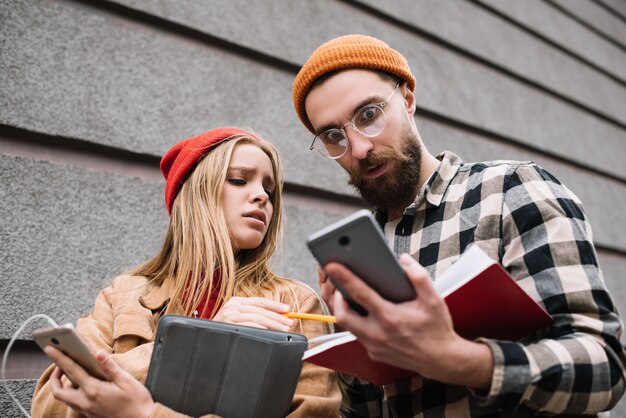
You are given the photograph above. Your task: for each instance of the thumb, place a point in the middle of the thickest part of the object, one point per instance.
(110, 368)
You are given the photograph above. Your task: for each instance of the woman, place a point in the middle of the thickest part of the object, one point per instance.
(224, 195)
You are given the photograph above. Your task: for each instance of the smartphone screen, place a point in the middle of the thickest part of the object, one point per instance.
(358, 243)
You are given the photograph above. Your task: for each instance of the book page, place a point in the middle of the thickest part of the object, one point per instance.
(328, 341)
(327, 337)
(472, 261)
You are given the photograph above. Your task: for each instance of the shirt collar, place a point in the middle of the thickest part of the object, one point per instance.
(435, 188)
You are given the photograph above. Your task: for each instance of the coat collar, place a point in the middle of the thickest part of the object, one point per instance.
(157, 296)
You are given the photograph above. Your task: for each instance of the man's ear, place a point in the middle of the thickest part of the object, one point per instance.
(409, 100)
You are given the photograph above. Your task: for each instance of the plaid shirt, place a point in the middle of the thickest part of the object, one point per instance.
(525, 218)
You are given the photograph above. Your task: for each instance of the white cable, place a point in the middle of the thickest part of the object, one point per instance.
(6, 355)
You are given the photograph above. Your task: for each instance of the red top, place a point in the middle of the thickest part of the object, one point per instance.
(209, 299)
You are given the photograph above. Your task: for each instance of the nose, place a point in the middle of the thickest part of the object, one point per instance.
(260, 195)
(360, 145)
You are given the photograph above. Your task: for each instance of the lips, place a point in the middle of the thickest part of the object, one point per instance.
(256, 214)
(376, 171)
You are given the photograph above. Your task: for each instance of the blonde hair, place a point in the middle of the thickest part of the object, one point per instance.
(198, 242)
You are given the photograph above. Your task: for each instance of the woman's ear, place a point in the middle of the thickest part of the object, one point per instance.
(409, 100)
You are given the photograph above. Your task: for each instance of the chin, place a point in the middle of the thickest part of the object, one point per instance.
(249, 242)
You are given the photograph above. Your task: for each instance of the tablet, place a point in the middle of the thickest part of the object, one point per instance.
(200, 367)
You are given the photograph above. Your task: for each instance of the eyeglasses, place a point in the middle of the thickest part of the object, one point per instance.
(369, 121)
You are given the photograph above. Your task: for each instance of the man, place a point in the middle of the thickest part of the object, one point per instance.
(355, 94)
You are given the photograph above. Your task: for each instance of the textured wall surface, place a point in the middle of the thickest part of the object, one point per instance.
(93, 92)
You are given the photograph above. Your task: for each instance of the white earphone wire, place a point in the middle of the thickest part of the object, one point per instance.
(6, 355)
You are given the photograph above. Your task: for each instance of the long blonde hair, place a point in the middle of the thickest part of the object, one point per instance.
(198, 243)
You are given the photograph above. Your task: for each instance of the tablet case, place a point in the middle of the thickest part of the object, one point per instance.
(200, 367)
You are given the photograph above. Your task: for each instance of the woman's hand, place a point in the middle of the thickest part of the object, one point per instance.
(121, 396)
(255, 312)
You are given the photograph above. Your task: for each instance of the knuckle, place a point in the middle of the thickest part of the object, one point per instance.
(416, 273)
(56, 393)
(378, 340)
(376, 354)
(431, 304)
(358, 295)
(389, 321)
(91, 391)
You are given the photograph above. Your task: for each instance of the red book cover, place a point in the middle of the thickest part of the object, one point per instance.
(483, 299)
(346, 354)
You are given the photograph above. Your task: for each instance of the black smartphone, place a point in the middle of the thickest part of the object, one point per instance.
(358, 243)
(65, 338)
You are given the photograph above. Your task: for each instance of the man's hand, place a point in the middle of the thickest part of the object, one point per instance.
(255, 312)
(327, 287)
(416, 335)
(121, 396)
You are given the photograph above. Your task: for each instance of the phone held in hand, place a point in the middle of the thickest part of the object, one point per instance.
(358, 243)
(66, 338)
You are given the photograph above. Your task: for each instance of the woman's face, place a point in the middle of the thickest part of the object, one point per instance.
(247, 194)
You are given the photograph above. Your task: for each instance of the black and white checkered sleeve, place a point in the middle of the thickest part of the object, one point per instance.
(577, 365)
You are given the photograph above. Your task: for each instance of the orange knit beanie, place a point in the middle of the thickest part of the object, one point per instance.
(178, 163)
(346, 52)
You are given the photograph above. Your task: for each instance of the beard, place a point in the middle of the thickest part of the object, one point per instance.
(397, 187)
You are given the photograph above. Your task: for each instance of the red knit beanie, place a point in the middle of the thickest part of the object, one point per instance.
(178, 163)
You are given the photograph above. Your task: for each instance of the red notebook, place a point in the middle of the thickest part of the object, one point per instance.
(483, 299)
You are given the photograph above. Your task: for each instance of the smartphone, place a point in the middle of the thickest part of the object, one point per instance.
(66, 338)
(358, 243)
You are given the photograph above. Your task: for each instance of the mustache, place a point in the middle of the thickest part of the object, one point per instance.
(372, 160)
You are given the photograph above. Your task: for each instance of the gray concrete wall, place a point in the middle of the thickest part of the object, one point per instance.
(93, 92)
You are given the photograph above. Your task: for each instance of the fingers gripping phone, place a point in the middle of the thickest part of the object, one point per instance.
(358, 243)
(66, 338)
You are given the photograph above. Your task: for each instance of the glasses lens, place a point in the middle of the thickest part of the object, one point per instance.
(332, 143)
(370, 120)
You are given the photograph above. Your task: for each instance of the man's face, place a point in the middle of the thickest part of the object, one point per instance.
(385, 169)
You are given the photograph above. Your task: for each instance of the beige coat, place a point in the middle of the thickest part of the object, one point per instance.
(123, 322)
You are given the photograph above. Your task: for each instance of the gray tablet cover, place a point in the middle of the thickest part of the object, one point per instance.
(200, 367)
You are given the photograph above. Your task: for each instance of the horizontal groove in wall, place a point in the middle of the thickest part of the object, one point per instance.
(494, 65)
(25, 359)
(71, 151)
(460, 125)
(76, 152)
(68, 151)
(587, 25)
(610, 250)
(552, 43)
(187, 32)
(611, 10)
(182, 30)
(312, 198)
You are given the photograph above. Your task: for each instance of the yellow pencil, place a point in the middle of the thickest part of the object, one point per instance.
(314, 317)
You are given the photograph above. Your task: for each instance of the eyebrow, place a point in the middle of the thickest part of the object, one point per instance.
(368, 100)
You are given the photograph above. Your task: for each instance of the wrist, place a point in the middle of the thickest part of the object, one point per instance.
(479, 362)
(472, 365)
(148, 409)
